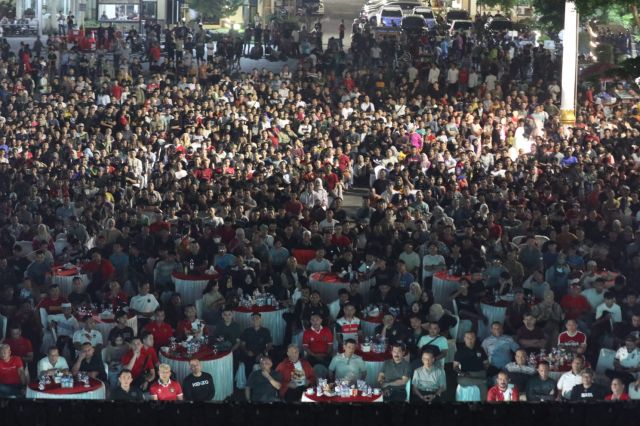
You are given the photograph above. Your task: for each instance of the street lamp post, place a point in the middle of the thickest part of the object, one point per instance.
(39, 15)
(569, 64)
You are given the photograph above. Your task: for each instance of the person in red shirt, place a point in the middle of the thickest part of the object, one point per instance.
(101, 271)
(186, 326)
(317, 342)
(572, 339)
(12, 376)
(140, 361)
(617, 391)
(53, 302)
(297, 375)
(574, 304)
(116, 297)
(160, 330)
(20, 346)
(502, 391)
(166, 389)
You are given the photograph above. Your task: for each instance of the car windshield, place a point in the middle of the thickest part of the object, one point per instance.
(500, 25)
(412, 22)
(458, 14)
(426, 15)
(392, 13)
(462, 25)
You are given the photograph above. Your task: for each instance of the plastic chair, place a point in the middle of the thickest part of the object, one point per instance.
(605, 360)
(44, 318)
(467, 394)
(3, 326)
(199, 307)
(518, 240)
(408, 390)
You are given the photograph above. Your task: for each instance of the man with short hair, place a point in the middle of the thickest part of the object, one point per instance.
(20, 346)
(65, 326)
(297, 374)
(124, 391)
(78, 295)
(348, 326)
(395, 374)
(255, 340)
(530, 337)
(437, 344)
(519, 370)
(317, 342)
(12, 373)
(347, 365)
(626, 363)
(139, 360)
(572, 339)
(198, 386)
(165, 389)
(52, 363)
(502, 391)
(541, 387)
(90, 362)
(162, 331)
(471, 363)
(88, 334)
(121, 329)
(263, 384)
(143, 305)
(571, 378)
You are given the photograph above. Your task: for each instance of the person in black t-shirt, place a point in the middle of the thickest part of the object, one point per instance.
(254, 341)
(89, 362)
(124, 391)
(588, 391)
(198, 386)
(121, 329)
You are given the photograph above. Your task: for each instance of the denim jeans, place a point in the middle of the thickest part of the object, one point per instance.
(9, 390)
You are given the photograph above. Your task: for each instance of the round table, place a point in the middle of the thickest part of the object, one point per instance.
(339, 400)
(373, 362)
(369, 325)
(96, 390)
(64, 278)
(190, 286)
(271, 319)
(219, 365)
(329, 284)
(445, 284)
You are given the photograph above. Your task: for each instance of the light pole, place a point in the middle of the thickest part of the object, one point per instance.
(39, 15)
(569, 64)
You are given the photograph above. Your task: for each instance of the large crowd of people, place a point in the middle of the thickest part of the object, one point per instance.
(137, 171)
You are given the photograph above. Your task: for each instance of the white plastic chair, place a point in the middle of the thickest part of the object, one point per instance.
(199, 307)
(468, 393)
(3, 326)
(408, 390)
(463, 325)
(605, 360)
(518, 240)
(44, 318)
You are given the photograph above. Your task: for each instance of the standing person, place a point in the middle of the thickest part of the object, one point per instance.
(62, 27)
(198, 386)
(263, 384)
(166, 389)
(341, 33)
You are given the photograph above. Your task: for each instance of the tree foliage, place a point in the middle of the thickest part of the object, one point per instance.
(551, 12)
(215, 8)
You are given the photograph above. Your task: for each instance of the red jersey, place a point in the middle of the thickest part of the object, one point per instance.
(574, 306)
(572, 342)
(623, 397)
(168, 392)
(20, 347)
(145, 361)
(286, 368)
(52, 306)
(162, 332)
(184, 327)
(318, 342)
(495, 394)
(9, 374)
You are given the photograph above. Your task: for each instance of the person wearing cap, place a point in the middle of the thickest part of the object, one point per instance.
(64, 326)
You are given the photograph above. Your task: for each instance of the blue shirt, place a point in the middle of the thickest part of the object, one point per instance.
(499, 349)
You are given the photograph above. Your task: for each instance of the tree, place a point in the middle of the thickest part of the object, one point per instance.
(504, 5)
(551, 12)
(215, 8)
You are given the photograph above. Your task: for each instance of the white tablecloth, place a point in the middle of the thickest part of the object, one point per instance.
(373, 368)
(105, 326)
(190, 289)
(329, 289)
(221, 369)
(96, 394)
(443, 286)
(65, 282)
(272, 320)
(493, 313)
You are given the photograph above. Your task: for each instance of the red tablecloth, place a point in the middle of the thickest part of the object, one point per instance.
(444, 275)
(205, 354)
(245, 309)
(504, 303)
(373, 357)
(337, 399)
(303, 256)
(376, 320)
(195, 277)
(54, 388)
(62, 272)
(326, 277)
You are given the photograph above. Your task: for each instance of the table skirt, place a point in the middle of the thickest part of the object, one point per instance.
(271, 320)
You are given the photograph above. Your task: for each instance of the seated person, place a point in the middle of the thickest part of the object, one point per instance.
(198, 386)
(395, 374)
(165, 389)
(588, 390)
(347, 365)
(161, 330)
(139, 360)
(541, 387)
(52, 363)
(530, 337)
(626, 363)
(190, 325)
(124, 391)
(519, 370)
(297, 375)
(121, 329)
(12, 373)
(391, 329)
(254, 340)
(571, 339)
(263, 384)
(503, 390)
(429, 381)
(617, 392)
(89, 362)
(317, 342)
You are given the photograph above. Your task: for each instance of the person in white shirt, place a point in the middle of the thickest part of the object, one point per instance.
(571, 378)
(452, 79)
(88, 334)
(144, 305)
(63, 326)
(474, 79)
(490, 81)
(626, 363)
(318, 263)
(434, 74)
(432, 262)
(52, 363)
(609, 306)
(595, 294)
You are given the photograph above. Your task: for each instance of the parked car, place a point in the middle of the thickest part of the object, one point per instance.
(498, 23)
(427, 15)
(457, 15)
(414, 25)
(389, 16)
(461, 25)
